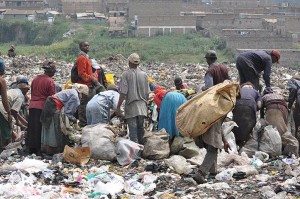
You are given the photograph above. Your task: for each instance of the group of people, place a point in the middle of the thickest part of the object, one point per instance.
(90, 101)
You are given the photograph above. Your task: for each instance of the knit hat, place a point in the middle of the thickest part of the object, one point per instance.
(2, 65)
(178, 81)
(276, 53)
(81, 88)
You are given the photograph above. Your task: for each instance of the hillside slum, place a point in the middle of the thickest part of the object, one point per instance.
(166, 173)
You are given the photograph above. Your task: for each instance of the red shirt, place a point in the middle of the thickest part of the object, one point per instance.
(42, 86)
(85, 72)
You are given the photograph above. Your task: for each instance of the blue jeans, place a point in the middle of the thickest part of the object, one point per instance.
(136, 129)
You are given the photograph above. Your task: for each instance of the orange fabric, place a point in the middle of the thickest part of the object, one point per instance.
(85, 72)
(96, 74)
(159, 97)
(158, 89)
(58, 103)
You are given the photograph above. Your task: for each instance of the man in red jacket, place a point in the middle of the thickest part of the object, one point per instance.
(86, 77)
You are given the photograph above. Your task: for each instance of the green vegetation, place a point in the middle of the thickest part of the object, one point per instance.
(46, 40)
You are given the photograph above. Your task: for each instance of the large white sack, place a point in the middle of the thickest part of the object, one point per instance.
(100, 139)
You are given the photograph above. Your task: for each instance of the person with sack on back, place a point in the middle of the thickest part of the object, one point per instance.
(85, 74)
(213, 138)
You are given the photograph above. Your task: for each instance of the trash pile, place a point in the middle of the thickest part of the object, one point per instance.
(105, 165)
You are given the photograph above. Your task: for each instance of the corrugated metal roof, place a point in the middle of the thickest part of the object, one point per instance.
(19, 12)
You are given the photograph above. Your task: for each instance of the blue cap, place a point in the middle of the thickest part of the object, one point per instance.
(2, 65)
(23, 80)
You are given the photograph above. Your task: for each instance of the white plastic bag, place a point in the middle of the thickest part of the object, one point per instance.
(134, 187)
(270, 141)
(229, 135)
(179, 164)
(226, 175)
(128, 151)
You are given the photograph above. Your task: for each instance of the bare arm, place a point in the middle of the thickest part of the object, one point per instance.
(121, 100)
(4, 98)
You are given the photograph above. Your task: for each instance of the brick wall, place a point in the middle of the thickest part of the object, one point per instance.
(73, 6)
(154, 8)
(167, 20)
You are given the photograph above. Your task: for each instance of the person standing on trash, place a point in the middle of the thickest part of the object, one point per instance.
(53, 140)
(99, 75)
(4, 99)
(12, 51)
(294, 102)
(213, 139)
(86, 77)
(134, 89)
(275, 111)
(42, 86)
(244, 113)
(98, 108)
(216, 73)
(251, 63)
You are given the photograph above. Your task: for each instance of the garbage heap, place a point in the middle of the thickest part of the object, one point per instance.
(107, 165)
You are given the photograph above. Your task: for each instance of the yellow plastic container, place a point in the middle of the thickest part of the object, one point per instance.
(110, 78)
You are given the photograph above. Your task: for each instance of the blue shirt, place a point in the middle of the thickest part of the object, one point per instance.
(70, 100)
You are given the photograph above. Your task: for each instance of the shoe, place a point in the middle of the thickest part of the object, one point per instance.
(199, 178)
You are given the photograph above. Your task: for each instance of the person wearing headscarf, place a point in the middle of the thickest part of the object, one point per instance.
(42, 87)
(171, 101)
(244, 112)
(15, 99)
(67, 101)
(275, 111)
(98, 108)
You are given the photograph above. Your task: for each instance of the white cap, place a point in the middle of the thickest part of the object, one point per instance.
(95, 65)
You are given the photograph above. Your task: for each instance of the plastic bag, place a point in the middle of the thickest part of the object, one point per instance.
(128, 151)
(229, 135)
(31, 165)
(270, 141)
(100, 139)
(134, 187)
(156, 145)
(179, 164)
(226, 175)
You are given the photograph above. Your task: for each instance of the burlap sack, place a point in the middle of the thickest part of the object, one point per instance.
(194, 117)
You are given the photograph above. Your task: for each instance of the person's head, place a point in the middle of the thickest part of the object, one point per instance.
(49, 68)
(2, 67)
(248, 84)
(178, 83)
(133, 60)
(211, 56)
(95, 65)
(275, 55)
(82, 89)
(112, 87)
(84, 46)
(23, 87)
